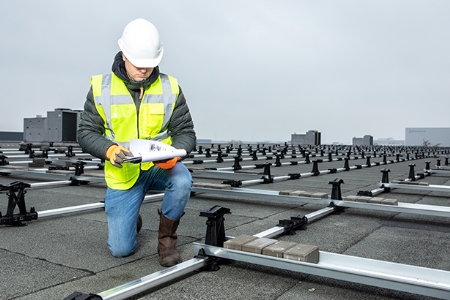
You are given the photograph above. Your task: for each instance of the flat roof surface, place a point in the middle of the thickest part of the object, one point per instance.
(54, 256)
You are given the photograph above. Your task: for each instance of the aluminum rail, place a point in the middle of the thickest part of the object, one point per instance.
(144, 283)
(442, 171)
(395, 276)
(279, 230)
(273, 196)
(84, 207)
(436, 188)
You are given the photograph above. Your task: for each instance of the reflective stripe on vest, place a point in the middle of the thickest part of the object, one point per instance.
(118, 110)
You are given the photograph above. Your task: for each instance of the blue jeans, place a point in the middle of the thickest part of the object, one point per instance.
(122, 206)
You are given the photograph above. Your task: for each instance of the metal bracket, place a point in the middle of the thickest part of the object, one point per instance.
(236, 165)
(79, 167)
(315, 170)
(219, 158)
(3, 160)
(294, 175)
(233, 183)
(298, 222)
(16, 194)
(365, 193)
(336, 189)
(267, 177)
(215, 235)
(69, 152)
(215, 231)
(82, 296)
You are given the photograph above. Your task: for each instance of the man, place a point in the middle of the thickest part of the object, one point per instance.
(137, 101)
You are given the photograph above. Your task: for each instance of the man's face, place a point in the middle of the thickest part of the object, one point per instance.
(135, 73)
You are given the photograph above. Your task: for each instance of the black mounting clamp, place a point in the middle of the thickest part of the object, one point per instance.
(233, 183)
(266, 176)
(237, 165)
(307, 161)
(69, 152)
(3, 160)
(368, 164)
(346, 165)
(79, 167)
(16, 197)
(82, 296)
(412, 174)
(219, 158)
(365, 193)
(336, 189)
(294, 175)
(215, 230)
(315, 170)
(208, 152)
(254, 157)
(295, 223)
(278, 160)
(385, 177)
(215, 234)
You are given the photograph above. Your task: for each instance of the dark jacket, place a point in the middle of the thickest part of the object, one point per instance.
(91, 127)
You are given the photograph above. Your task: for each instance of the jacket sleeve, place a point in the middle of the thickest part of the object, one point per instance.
(181, 126)
(91, 130)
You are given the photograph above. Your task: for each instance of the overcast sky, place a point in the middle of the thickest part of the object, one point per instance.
(250, 70)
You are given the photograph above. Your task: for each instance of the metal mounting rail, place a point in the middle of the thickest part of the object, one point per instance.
(84, 207)
(436, 188)
(273, 196)
(395, 276)
(144, 283)
(440, 170)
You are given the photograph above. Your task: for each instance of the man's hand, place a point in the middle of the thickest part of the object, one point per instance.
(116, 154)
(167, 164)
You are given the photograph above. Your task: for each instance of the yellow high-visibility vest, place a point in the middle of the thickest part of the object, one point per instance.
(115, 105)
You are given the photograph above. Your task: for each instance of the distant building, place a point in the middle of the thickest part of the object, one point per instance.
(367, 140)
(437, 136)
(204, 141)
(60, 125)
(312, 137)
(9, 136)
(389, 141)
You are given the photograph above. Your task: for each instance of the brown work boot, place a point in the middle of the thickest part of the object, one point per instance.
(167, 240)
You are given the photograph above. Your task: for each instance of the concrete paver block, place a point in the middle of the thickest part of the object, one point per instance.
(376, 200)
(296, 193)
(256, 246)
(237, 242)
(351, 198)
(277, 249)
(305, 194)
(303, 252)
(363, 199)
(390, 202)
(320, 195)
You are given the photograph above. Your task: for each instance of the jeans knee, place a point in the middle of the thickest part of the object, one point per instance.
(122, 251)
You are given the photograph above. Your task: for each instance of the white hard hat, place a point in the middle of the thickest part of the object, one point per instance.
(141, 44)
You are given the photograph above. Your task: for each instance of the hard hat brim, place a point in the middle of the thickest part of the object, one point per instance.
(141, 63)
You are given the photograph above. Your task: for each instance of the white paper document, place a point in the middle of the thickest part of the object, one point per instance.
(148, 150)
